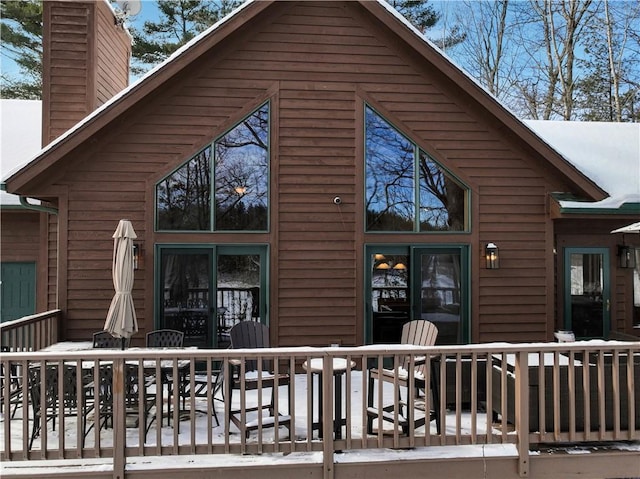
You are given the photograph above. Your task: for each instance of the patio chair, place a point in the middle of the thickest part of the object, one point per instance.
(45, 401)
(165, 338)
(203, 387)
(10, 385)
(104, 339)
(168, 338)
(420, 333)
(258, 375)
(134, 398)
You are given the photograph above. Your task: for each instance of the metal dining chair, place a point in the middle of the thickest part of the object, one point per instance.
(168, 338)
(10, 385)
(104, 339)
(165, 338)
(46, 403)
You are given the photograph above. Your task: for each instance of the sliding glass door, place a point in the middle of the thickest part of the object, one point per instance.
(440, 278)
(205, 290)
(417, 282)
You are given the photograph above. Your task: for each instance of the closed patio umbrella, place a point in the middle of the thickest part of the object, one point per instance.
(121, 319)
(632, 228)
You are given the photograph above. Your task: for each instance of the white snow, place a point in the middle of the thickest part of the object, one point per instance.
(608, 153)
(20, 137)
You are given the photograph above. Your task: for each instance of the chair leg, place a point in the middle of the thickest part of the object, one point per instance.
(435, 393)
(215, 387)
(370, 404)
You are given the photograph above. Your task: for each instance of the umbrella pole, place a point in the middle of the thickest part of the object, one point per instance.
(122, 342)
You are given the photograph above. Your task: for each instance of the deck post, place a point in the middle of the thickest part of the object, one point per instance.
(522, 411)
(327, 419)
(119, 419)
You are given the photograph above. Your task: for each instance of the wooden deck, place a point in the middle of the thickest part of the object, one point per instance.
(546, 410)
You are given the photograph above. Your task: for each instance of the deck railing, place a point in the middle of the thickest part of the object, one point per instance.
(30, 333)
(105, 403)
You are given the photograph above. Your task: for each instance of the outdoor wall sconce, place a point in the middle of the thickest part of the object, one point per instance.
(136, 256)
(492, 257)
(627, 256)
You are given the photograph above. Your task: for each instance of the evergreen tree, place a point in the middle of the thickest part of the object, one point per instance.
(179, 22)
(609, 90)
(422, 16)
(21, 37)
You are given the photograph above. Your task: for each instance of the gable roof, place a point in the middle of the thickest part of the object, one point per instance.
(201, 44)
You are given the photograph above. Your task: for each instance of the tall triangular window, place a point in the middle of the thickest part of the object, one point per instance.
(233, 170)
(406, 189)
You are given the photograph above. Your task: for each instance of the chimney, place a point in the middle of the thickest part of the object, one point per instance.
(86, 53)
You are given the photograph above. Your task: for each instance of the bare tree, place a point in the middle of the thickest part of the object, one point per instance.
(552, 33)
(488, 53)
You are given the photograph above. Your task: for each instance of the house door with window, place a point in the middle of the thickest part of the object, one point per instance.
(418, 282)
(204, 291)
(587, 300)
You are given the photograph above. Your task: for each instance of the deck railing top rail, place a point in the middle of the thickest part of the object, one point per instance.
(31, 333)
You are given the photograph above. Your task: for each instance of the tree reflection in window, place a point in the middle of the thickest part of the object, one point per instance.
(390, 182)
(442, 199)
(395, 169)
(242, 174)
(183, 198)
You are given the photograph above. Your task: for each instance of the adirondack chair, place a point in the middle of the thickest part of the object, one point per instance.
(252, 334)
(419, 333)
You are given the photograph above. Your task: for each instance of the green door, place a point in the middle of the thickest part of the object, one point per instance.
(587, 295)
(18, 290)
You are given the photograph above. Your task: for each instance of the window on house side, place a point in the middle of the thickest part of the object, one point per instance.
(239, 183)
(396, 168)
(183, 199)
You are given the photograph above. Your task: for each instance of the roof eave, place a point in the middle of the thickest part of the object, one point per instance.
(558, 211)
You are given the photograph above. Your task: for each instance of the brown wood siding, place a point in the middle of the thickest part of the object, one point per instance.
(20, 235)
(66, 57)
(112, 54)
(51, 269)
(316, 249)
(318, 62)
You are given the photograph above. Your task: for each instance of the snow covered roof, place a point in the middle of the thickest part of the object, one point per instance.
(20, 138)
(608, 153)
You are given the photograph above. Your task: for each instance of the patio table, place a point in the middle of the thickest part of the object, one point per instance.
(149, 365)
(316, 366)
